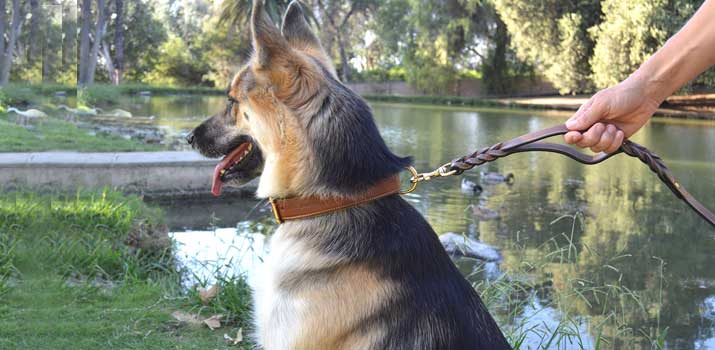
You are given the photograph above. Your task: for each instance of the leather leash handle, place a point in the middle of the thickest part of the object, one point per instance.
(530, 143)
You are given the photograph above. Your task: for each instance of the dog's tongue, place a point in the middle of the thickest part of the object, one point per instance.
(225, 164)
(217, 182)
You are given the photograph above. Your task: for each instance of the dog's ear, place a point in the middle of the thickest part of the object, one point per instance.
(297, 31)
(268, 43)
(293, 77)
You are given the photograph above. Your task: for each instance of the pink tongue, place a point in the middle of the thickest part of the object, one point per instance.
(217, 183)
(224, 164)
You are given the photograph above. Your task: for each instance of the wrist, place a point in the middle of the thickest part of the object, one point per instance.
(652, 84)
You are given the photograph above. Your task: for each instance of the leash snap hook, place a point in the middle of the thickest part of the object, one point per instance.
(416, 178)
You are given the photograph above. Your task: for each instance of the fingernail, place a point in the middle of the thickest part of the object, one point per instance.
(571, 123)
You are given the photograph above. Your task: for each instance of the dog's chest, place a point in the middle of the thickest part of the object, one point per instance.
(278, 312)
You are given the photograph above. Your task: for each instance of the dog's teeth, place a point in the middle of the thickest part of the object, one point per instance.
(223, 171)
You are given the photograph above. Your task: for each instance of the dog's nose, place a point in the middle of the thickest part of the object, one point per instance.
(190, 138)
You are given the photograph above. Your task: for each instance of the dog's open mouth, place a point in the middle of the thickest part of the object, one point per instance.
(234, 166)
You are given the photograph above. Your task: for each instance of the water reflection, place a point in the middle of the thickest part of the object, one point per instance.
(630, 221)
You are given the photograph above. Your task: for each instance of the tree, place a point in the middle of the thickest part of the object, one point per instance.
(89, 53)
(69, 61)
(86, 15)
(142, 36)
(553, 36)
(336, 15)
(119, 39)
(8, 52)
(632, 31)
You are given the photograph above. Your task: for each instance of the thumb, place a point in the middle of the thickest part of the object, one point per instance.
(590, 113)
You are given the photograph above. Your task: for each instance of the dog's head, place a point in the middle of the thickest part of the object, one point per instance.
(290, 120)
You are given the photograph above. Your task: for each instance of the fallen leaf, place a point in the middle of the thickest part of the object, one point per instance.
(206, 295)
(213, 322)
(227, 338)
(186, 318)
(239, 337)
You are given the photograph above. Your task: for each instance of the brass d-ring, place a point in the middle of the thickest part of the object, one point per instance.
(413, 180)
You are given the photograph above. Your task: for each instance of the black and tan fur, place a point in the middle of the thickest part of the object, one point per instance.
(370, 277)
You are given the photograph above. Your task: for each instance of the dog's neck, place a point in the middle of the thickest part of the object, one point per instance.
(296, 208)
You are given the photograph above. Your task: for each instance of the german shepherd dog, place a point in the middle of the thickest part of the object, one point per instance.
(373, 276)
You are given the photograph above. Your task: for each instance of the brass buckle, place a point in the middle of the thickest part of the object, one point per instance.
(276, 213)
(416, 178)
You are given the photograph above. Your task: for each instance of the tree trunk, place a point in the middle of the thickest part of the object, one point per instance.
(111, 70)
(6, 61)
(495, 74)
(34, 51)
(119, 41)
(69, 40)
(86, 13)
(3, 24)
(99, 31)
(345, 68)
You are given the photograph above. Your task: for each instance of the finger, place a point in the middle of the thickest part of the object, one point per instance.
(592, 136)
(617, 142)
(579, 111)
(572, 137)
(606, 139)
(592, 113)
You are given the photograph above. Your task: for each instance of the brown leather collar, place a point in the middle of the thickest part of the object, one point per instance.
(306, 207)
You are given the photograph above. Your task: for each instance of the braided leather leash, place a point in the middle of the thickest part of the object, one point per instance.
(530, 142)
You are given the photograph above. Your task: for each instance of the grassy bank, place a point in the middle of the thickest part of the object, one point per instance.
(439, 100)
(96, 270)
(54, 134)
(20, 95)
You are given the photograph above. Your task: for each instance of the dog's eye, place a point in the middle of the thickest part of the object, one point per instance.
(229, 105)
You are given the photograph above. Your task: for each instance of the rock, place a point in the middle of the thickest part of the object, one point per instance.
(459, 245)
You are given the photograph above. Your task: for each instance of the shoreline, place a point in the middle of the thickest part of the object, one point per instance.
(692, 107)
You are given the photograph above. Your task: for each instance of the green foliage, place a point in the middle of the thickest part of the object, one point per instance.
(143, 38)
(632, 31)
(178, 66)
(553, 36)
(222, 48)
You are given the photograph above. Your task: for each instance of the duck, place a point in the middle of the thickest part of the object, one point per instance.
(30, 113)
(469, 186)
(493, 178)
(483, 213)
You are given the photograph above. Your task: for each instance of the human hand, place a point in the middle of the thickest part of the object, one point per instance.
(611, 116)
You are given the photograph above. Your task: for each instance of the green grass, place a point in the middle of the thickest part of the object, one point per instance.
(53, 134)
(49, 313)
(96, 270)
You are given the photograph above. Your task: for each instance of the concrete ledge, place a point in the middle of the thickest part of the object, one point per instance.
(134, 172)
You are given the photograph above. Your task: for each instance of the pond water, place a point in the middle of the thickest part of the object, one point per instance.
(629, 231)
